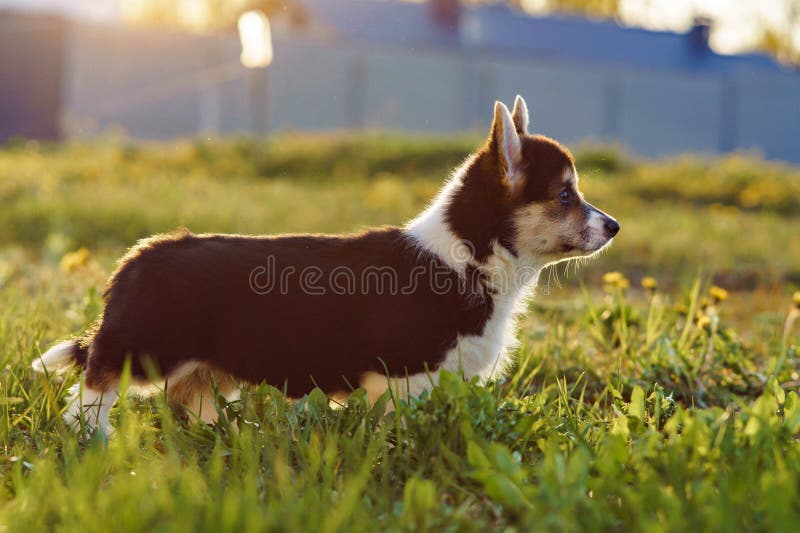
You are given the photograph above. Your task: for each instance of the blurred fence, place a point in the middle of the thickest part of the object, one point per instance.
(154, 84)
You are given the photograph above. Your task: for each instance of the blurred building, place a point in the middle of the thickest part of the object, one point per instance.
(434, 67)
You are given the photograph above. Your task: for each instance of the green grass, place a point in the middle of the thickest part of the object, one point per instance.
(665, 410)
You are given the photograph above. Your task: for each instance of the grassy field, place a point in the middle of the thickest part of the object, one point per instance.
(663, 404)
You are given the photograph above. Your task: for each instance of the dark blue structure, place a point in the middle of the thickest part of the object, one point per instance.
(433, 67)
(592, 79)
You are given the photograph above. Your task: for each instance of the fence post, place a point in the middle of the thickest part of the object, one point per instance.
(728, 114)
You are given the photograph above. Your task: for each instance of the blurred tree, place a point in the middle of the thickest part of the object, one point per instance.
(784, 41)
(592, 8)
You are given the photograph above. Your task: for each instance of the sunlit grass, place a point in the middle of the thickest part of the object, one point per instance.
(597, 426)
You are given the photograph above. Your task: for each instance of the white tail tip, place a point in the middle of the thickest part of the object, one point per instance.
(56, 358)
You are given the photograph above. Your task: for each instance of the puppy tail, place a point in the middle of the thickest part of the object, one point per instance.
(61, 356)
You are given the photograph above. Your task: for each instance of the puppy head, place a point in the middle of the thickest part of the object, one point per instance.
(520, 191)
(550, 217)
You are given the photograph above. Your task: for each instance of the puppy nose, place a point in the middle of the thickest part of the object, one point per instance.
(612, 227)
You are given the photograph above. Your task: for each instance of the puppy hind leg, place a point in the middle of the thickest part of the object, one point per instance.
(89, 406)
(194, 393)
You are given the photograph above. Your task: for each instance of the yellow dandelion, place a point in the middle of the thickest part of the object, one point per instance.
(616, 279)
(649, 283)
(74, 260)
(682, 309)
(704, 322)
(718, 294)
(796, 299)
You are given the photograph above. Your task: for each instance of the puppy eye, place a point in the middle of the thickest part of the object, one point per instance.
(565, 196)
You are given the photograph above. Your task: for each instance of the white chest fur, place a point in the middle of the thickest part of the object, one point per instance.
(486, 355)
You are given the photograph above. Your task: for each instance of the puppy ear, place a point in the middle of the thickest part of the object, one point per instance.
(504, 137)
(520, 115)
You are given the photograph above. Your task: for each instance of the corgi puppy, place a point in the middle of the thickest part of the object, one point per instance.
(389, 307)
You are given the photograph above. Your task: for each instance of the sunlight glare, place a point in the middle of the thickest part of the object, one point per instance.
(256, 39)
